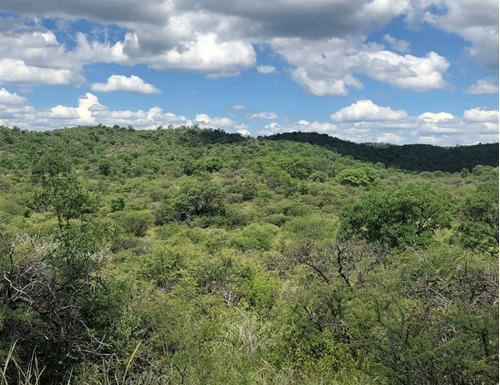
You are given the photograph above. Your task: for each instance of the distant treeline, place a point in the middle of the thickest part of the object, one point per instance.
(411, 157)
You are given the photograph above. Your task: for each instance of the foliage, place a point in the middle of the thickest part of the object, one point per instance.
(201, 197)
(413, 157)
(137, 223)
(405, 217)
(194, 256)
(255, 236)
(357, 177)
(479, 216)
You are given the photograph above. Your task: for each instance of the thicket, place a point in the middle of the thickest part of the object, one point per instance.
(190, 256)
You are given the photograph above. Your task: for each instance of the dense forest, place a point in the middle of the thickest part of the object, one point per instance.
(194, 256)
(411, 157)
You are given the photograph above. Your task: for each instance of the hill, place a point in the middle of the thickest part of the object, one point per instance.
(410, 157)
(194, 256)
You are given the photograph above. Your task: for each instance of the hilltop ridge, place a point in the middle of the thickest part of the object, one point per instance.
(410, 157)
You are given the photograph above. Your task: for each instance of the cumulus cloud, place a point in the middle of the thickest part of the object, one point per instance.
(8, 98)
(390, 137)
(483, 86)
(302, 126)
(88, 111)
(398, 45)
(206, 121)
(439, 123)
(266, 69)
(329, 67)
(406, 72)
(243, 132)
(322, 40)
(120, 83)
(364, 121)
(218, 39)
(481, 115)
(16, 111)
(32, 55)
(325, 46)
(366, 110)
(16, 71)
(209, 55)
(264, 115)
(476, 23)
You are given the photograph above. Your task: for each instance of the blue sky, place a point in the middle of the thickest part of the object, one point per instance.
(400, 71)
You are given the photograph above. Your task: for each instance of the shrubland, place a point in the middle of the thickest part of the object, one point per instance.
(190, 256)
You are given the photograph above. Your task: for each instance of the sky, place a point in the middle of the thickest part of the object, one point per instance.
(392, 71)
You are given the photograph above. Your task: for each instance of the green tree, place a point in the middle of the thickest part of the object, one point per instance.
(59, 190)
(138, 222)
(406, 217)
(50, 291)
(198, 197)
(255, 236)
(358, 177)
(479, 216)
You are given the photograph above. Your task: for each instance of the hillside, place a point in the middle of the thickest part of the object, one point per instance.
(194, 256)
(410, 157)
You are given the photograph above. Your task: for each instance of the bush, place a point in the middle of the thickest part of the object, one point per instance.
(200, 197)
(138, 222)
(408, 216)
(358, 177)
(255, 236)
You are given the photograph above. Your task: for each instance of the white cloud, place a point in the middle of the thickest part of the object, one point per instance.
(364, 121)
(95, 51)
(320, 86)
(271, 128)
(264, 115)
(390, 137)
(483, 86)
(266, 69)
(32, 55)
(439, 123)
(442, 128)
(323, 40)
(473, 21)
(89, 111)
(117, 83)
(61, 112)
(207, 121)
(481, 115)
(244, 132)
(366, 110)
(398, 45)
(406, 72)
(8, 98)
(202, 118)
(238, 107)
(209, 55)
(329, 67)
(16, 71)
(302, 126)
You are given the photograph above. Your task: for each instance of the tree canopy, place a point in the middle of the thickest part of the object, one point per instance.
(194, 256)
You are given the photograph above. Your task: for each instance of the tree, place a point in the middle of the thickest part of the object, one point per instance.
(405, 217)
(358, 177)
(138, 222)
(50, 293)
(479, 216)
(198, 198)
(59, 191)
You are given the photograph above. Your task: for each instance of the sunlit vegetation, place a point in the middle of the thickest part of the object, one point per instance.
(190, 256)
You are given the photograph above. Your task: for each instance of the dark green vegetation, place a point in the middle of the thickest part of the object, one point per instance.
(193, 256)
(411, 157)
